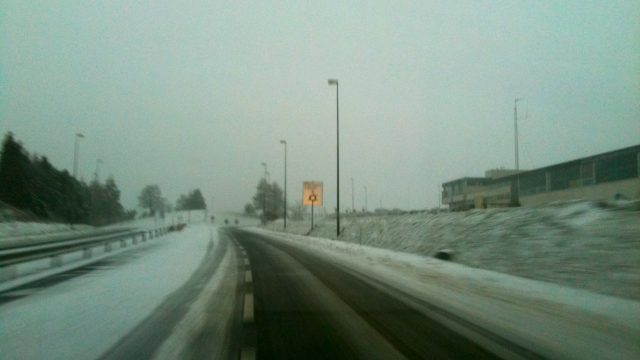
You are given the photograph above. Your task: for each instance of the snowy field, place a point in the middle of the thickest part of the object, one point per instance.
(584, 245)
(107, 302)
(556, 321)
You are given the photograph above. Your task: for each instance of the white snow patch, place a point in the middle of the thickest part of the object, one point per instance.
(82, 317)
(581, 244)
(19, 229)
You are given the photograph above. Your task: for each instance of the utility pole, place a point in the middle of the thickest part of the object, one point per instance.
(75, 154)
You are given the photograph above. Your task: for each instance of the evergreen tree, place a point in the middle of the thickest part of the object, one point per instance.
(32, 184)
(14, 174)
(269, 200)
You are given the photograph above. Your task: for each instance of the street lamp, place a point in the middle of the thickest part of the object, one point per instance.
(75, 154)
(353, 206)
(366, 200)
(335, 82)
(284, 142)
(264, 194)
(97, 174)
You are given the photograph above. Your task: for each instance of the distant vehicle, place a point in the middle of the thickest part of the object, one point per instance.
(236, 221)
(226, 221)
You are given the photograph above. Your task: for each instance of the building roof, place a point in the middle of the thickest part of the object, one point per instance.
(564, 163)
(466, 178)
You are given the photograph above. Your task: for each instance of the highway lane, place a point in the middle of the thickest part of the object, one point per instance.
(306, 308)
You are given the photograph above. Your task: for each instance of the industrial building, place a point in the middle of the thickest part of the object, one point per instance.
(610, 175)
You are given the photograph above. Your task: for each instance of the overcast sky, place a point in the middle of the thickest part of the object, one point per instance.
(198, 95)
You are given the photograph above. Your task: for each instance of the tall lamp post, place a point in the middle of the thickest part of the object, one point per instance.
(264, 195)
(75, 154)
(353, 203)
(335, 82)
(97, 174)
(366, 200)
(284, 142)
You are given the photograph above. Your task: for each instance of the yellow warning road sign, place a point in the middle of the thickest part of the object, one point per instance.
(312, 193)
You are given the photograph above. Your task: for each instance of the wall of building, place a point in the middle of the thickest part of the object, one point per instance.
(600, 177)
(494, 196)
(629, 189)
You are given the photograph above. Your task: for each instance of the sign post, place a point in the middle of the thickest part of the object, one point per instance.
(312, 196)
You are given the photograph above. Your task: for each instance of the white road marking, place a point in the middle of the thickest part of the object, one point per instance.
(247, 276)
(247, 314)
(246, 261)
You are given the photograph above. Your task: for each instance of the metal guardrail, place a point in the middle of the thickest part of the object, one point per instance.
(12, 257)
(41, 239)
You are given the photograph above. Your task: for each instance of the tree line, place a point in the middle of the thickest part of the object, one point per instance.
(30, 183)
(153, 203)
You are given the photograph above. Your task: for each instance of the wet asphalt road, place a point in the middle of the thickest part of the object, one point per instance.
(306, 308)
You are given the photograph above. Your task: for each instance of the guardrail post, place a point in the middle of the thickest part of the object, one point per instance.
(56, 260)
(86, 253)
(144, 236)
(123, 243)
(8, 273)
(150, 234)
(107, 246)
(134, 240)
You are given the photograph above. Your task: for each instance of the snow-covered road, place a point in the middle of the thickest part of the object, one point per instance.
(83, 313)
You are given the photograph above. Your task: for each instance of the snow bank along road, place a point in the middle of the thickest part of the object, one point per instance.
(249, 293)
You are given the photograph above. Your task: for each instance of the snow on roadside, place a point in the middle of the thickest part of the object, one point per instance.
(84, 316)
(553, 320)
(17, 228)
(13, 230)
(585, 245)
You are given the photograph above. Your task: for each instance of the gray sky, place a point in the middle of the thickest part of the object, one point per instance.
(199, 95)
